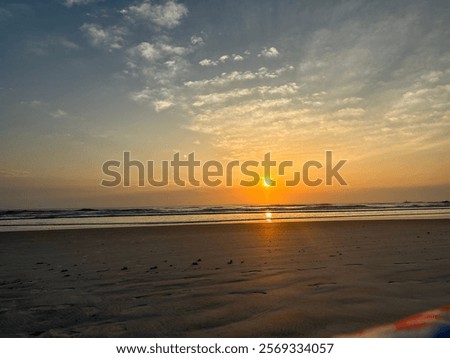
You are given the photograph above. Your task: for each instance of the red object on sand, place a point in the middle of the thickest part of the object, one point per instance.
(434, 323)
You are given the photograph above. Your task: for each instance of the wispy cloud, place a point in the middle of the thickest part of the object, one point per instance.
(142, 96)
(336, 90)
(160, 99)
(152, 52)
(167, 15)
(350, 112)
(349, 100)
(33, 103)
(429, 103)
(58, 113)
(221, 97)
(111, 38)
(432, 76)
(14, 173)
(156, 61)
(157, 64)
(161, 105)
(235, 76)
(70, 3)
(50, 44)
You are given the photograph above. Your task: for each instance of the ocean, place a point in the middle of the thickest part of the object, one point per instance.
(25, 220)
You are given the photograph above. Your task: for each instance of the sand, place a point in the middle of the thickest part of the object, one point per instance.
(307, 279)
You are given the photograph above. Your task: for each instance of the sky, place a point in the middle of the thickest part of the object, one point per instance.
(82, 81)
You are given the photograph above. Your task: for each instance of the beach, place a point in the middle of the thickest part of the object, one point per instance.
(268, 279)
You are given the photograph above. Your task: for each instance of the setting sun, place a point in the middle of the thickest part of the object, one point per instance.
(267, 182)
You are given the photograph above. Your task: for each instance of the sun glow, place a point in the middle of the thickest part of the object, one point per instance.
(266, 182)
(268, 216)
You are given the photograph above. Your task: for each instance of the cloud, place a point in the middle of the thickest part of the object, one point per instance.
(207, 62)
(351, 80)
(67, 44)
(243, 120)
(160, 99)
(14, 173)
(70, 3)
(235, 76)
(58, 114)
(157, 63)
(152, 52)
(223, 79)
(433, 76)
(197, 40)
(142, 96)
(162, 105)
(358, 82)
(168, 49)
(221, 59)
(427, 104)
(349, 100)
(221, 97)
(147, 50)
(355, 56)
(271, 52)
(50, 44)
(167, 15)
(174, 67)
(245, 127)
(111, 38)
(350, 112)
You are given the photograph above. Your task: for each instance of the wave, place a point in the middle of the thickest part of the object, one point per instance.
(211, 210)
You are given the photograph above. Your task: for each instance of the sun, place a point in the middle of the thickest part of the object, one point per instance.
(268, 215)
(267, 182)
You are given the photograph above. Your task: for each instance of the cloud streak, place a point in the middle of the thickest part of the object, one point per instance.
(238, 76)
(70, 3)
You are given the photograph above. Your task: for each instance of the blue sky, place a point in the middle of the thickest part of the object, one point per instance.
(83, 80)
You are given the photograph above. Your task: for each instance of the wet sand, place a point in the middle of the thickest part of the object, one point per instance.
(306, 279)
